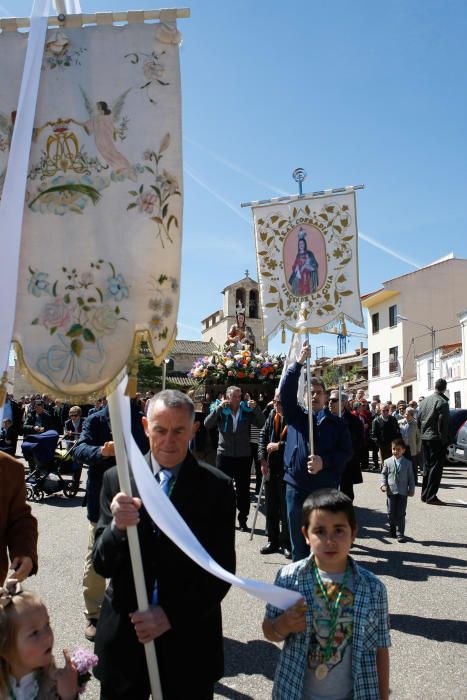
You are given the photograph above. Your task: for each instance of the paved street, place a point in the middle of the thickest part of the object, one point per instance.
(426, 580)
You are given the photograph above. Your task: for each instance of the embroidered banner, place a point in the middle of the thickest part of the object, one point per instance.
(100, 250)
(307, 259)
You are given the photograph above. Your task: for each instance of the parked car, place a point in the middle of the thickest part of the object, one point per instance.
(457, 446)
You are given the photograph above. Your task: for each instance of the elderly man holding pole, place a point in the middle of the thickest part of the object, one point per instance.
(184, 619)
(233, 418)
(309, 467)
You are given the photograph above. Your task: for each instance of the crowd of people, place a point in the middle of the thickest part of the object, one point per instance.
(309, 490)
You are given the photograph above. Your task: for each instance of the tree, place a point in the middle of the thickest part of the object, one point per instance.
(150, 376)
(333, 373)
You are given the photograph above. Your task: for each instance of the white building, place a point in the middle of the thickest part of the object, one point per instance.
(450, 363)
(411, 315)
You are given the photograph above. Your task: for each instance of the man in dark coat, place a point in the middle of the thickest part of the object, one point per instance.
(384, 430)
(271, 449)
(433, 421)
(95, 448)
(38, 420)
(234, 418)
(184, 619)
(352, 473)
(309, 468)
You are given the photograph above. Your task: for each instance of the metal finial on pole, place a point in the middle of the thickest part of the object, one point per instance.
(299, 174)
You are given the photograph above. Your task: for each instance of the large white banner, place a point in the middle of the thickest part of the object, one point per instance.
(101, 242)
(307, 258)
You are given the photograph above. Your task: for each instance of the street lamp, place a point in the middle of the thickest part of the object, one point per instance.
(433, 333)
(164, 372)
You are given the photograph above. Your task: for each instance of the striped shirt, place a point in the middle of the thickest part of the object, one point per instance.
(370, 631)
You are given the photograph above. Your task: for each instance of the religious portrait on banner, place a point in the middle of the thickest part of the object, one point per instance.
(307, 259)
(304, 278)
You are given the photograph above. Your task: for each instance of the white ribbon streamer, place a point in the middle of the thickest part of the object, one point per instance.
(14, 188)
(167, 518)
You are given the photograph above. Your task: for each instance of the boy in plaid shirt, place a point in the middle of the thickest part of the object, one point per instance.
(336, 637)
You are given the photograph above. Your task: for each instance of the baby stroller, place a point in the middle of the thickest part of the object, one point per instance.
(47, 466)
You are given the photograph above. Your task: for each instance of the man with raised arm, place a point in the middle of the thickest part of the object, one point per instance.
(309, 468)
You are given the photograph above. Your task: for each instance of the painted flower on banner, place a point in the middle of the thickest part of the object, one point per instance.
(153, 72)
(58, 52)
(80, 308)
(38, 283)
(154, 199)
(162, 305)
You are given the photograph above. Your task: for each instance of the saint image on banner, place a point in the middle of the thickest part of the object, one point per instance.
(304, 278)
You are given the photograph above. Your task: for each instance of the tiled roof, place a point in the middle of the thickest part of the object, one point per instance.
(181, 381)
(193, 347)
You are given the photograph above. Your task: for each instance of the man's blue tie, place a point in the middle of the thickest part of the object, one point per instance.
(164, 477)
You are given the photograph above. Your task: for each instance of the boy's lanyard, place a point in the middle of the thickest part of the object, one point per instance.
(322, 670)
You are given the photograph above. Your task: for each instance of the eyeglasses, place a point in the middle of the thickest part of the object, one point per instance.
(277, 401)
(333, 400)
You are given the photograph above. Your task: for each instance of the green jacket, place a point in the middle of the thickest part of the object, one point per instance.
(433, 417)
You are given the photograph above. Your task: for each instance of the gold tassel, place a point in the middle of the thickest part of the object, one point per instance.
(132, 384)
(283, 333)
(3, 388)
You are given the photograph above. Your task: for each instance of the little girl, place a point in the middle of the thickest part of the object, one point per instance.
(27, 667)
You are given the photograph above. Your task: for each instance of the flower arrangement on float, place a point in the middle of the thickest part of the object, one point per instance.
(226, 367)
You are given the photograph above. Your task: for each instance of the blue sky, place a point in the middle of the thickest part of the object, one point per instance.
(364, 92)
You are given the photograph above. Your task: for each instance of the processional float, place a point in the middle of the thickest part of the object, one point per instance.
(91, 225)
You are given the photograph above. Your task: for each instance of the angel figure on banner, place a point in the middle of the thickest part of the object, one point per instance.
(304, 277)
(240, 336)
(103, 124)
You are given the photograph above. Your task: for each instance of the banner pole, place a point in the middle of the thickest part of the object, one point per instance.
(309, 399)
(133, 541)
(258, 503)
(299, 175)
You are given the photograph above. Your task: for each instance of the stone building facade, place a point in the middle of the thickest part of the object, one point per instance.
(242, 294)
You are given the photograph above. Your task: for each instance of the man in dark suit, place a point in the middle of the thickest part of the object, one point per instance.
(184, 619)
(352, 473)
(38, 420)
(73, 425)
(95, 448)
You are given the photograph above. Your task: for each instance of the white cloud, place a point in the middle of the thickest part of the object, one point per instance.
(204, 185)
(389, 251)
(236, 168)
